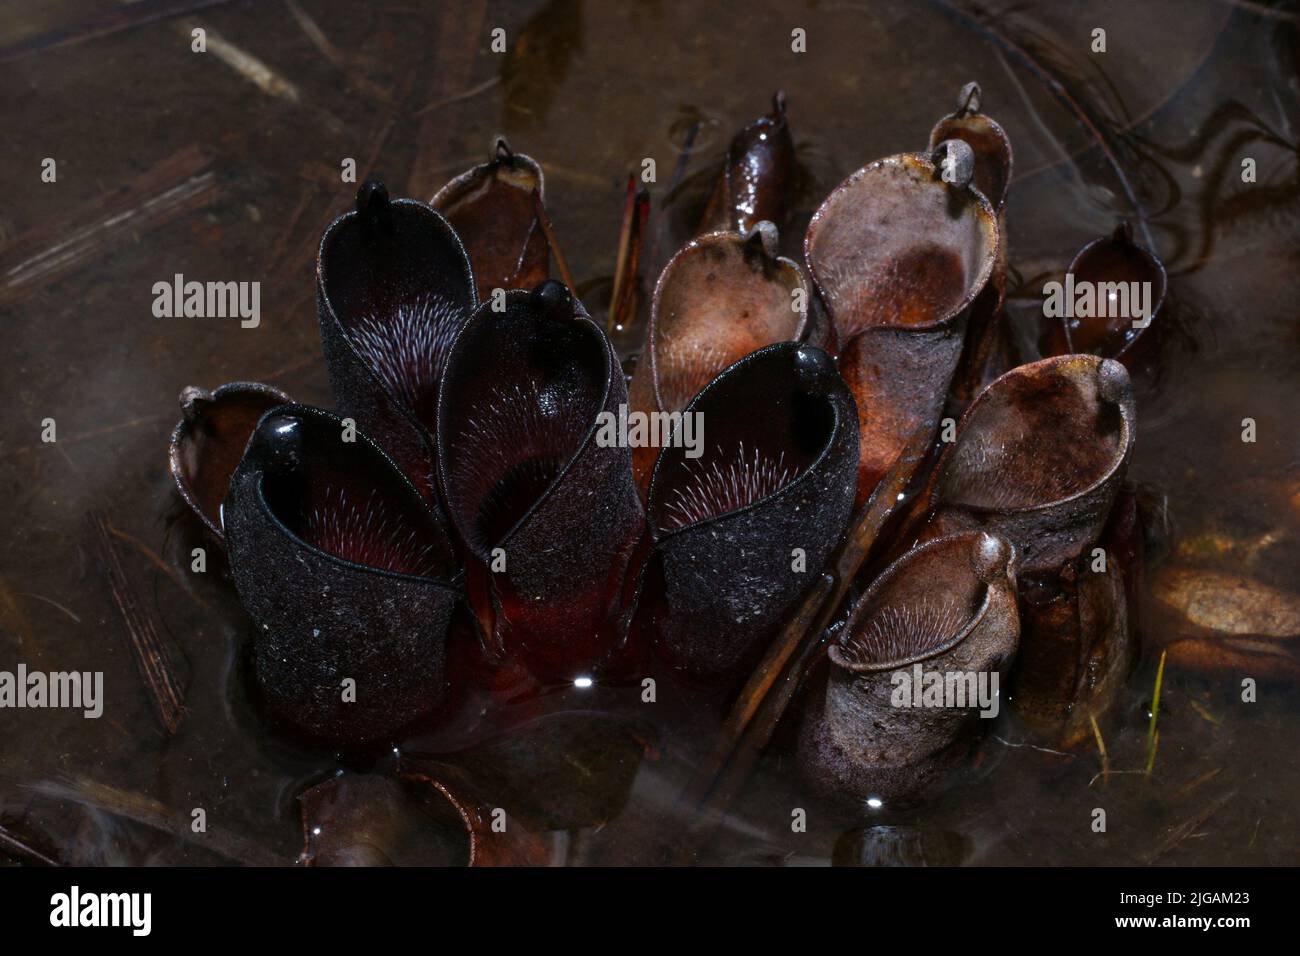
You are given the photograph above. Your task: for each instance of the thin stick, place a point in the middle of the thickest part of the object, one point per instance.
(1177, 833)
(773, 685)
(150, 654)
(316, 35)
(1204, 714)
(106, 24)
(620, 258)
(157, 561)
(1196, 782)
(1153, 735)
(180, 184)
(457, 97)
(248, 66)
(622, 310)
(1101, 747)
(157, 816)
(16, 846)
(548, 230)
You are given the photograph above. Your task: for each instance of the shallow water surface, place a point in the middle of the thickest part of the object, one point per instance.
(234, 175)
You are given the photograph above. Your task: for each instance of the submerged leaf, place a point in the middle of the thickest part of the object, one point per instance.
(1220, 622)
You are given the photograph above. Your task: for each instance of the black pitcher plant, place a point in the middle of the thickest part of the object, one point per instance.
(464, 485)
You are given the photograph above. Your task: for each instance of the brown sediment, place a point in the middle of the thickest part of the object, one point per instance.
(1226, 623)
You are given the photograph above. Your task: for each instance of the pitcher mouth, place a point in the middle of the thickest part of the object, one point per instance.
(1015, 428)
(903, 618)
(908, 283)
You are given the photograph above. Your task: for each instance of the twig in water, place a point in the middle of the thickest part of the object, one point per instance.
(548, 230)
(245, 64)
(150, 655)
(1201, 710)
(631, 238)
(16, 846)
(179, 184)
(1018, 744)
(1153, 735)
(1193, 784)
(1101, 747)
(1177, 833)
(113, 21)
(457, 97)
(157, 561)
(54, 604)
(332, 53)
(157, 816)
(780, 675)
